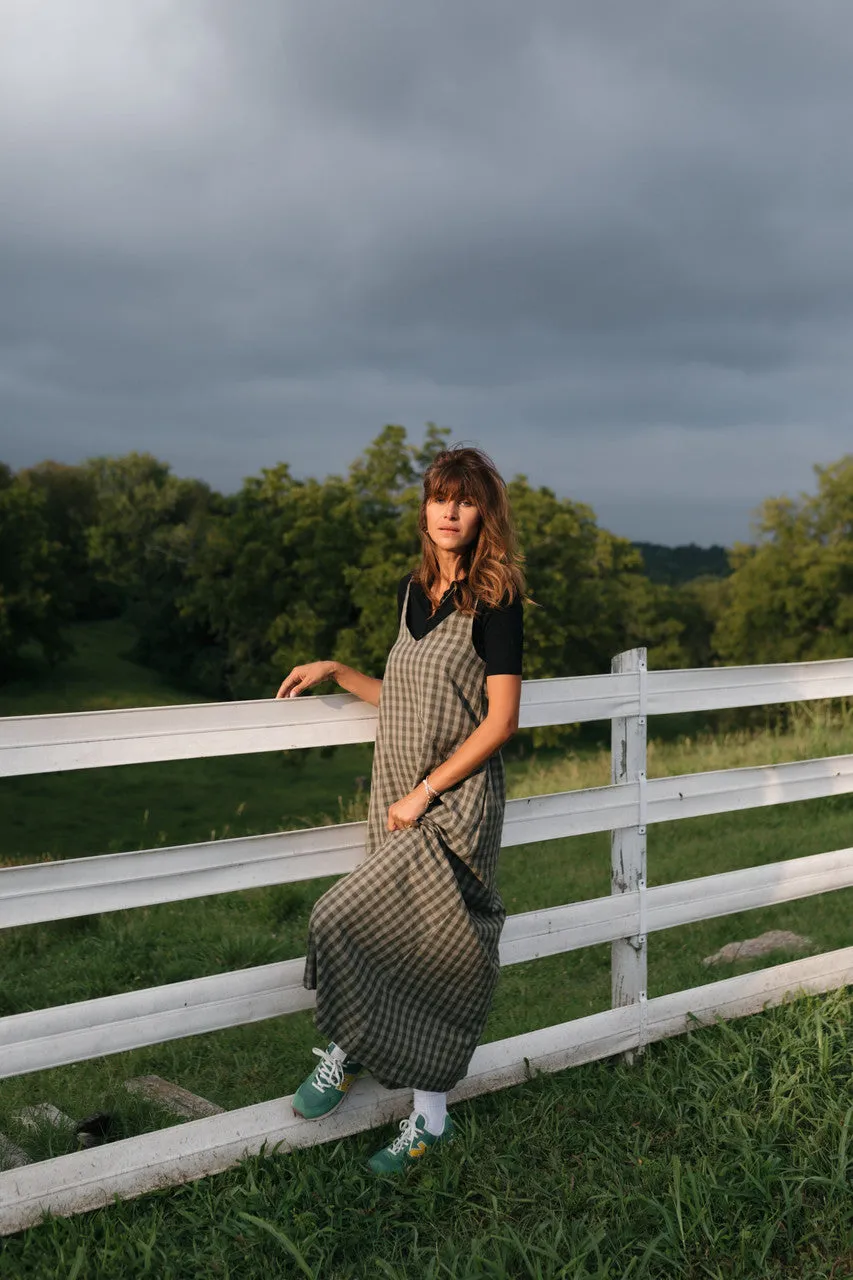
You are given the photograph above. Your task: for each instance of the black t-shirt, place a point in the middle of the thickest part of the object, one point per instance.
(497, 634)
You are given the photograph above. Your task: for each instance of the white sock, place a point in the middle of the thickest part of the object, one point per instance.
(338, 1053)
(433, 1107)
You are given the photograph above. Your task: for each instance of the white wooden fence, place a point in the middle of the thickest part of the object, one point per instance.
(83, 886)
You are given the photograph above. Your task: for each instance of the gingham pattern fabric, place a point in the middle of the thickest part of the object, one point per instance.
(403, 951)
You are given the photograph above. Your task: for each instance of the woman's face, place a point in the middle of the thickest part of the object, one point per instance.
(452, 523)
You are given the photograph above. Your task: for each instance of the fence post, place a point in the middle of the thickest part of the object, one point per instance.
(628, 845)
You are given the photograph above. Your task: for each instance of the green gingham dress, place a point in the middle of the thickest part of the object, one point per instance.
(403, 951)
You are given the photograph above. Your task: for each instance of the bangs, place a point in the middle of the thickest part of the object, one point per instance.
(452, 481)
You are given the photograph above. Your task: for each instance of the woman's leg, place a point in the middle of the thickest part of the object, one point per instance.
(433, 1107)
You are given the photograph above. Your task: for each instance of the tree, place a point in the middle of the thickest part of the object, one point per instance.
(267, 583)
(677, 565)
(148, 528)
(584, 580)
(790, 597)
(228, 593)
(34, 603)
(70, 508)
(295, 569)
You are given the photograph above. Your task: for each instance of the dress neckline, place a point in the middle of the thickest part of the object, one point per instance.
(450, 589)
(417, 639)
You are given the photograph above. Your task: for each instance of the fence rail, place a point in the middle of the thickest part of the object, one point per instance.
(90, 1028)
(83, 886)
(114, 881)
(94, 739)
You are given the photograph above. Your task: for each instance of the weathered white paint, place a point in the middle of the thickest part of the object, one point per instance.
(728, 892)
(116, 881)
(714, 688)
(628, 965)
(694, 795)
(91, 1178)
(554, 930)
(93, 739)
(90, 1028)
(110, 882)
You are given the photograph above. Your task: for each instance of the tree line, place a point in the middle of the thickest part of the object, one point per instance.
(227, 592)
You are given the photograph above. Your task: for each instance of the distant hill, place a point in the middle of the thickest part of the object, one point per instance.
(674, 565)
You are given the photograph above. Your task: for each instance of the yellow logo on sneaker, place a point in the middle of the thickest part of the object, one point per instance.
(418, 1150)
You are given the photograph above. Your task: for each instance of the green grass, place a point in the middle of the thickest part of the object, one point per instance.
(722, 1153)
(96, 811)
(98, 676)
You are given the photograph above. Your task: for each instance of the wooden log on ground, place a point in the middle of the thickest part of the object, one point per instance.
(171, 1097)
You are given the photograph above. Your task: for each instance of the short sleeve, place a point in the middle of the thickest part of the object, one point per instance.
(502, 639)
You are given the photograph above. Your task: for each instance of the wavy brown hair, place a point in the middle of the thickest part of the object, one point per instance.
(492, 562)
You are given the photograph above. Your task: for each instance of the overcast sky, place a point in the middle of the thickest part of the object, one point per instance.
(609, 241)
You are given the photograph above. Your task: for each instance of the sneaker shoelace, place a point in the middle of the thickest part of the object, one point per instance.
(330, 1072)
(409, 1131)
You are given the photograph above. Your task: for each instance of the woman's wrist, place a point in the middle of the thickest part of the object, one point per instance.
(431, 792)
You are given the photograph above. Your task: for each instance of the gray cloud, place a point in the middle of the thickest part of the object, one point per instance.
(606, 241)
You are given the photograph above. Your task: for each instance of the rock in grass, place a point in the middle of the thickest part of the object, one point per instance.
(772, 940)
(43, 1113)
(11, 1155)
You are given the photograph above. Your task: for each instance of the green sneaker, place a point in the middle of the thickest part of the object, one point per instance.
(411, 1143)
(327, 1085)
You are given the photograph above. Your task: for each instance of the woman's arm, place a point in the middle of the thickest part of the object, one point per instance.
(368, 688)
(498, 727)
(500, 724)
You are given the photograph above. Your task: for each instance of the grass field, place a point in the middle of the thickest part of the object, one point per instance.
(98, 811)
(722, 1154)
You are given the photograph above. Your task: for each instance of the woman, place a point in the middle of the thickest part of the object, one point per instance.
(403, 951)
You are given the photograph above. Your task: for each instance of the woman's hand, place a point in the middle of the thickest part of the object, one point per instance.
(407, 812)
(304, 677)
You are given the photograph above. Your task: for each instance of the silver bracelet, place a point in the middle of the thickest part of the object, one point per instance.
(431, 792)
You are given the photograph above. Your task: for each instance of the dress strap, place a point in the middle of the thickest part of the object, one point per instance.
(404, 610)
